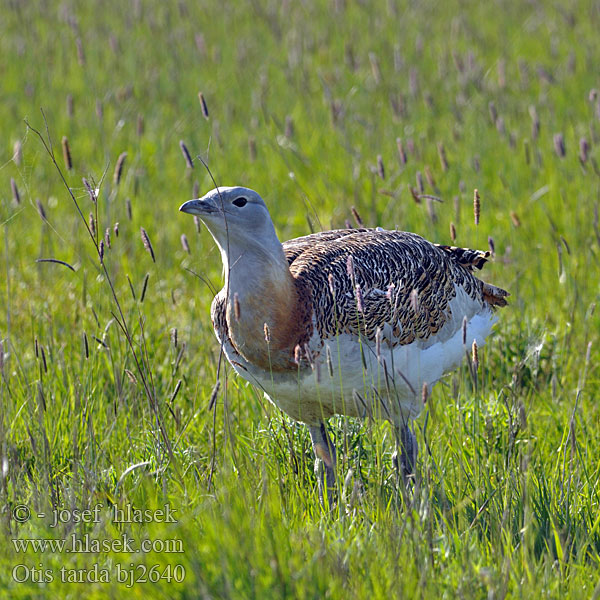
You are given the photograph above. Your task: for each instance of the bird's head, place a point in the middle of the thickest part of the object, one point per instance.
(237, 218)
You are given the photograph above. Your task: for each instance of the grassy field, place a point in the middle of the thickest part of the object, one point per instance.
(107, 368)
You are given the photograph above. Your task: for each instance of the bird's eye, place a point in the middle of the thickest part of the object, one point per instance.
(240, 202)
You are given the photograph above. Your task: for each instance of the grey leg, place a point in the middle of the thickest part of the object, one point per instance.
(407, 448)
(325, 460)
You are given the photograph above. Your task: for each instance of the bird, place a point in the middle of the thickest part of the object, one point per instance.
(356, 322)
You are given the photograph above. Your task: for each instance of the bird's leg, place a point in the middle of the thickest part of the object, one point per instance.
(407, 448)
(325, 460)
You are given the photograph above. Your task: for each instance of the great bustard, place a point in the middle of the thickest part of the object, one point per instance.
(386, 312)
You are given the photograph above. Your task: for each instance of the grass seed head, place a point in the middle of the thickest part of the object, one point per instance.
(420, 184)
(414, 300)
(119, 168)
(535, 122)
(401, 151)
(144, 287)
(213, 395)
(475, 355)
(350, 268)
(464, 331)
(356, 216)
(18, 153)
(147, 243)
(380, 167)
(514, 217)
(174, 337)
(442, 155)
(186, 154)
(131, 376)
(80, 52)
(389, 294)
(559, 145)
(128, 205)
(92, 224)
(415, 194)
(203, 105)
(476, 206)
(139, 128)
(184, 243)
(116, 229)
(15, 191)
(67, 153)
(289, 127)
(101, 251)
(331, 282)
(424, 393)
(40, 209)
(197, 223)
(107, 237)
(297, 354)
(453, 232)
(359, 299)
(90, 190)
(584, 149)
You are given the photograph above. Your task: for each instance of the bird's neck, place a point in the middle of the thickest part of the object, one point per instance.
(264, 308)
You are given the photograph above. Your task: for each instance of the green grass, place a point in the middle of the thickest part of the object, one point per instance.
(507, 500)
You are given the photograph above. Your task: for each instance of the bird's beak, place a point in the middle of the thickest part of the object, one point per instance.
(198, 207)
